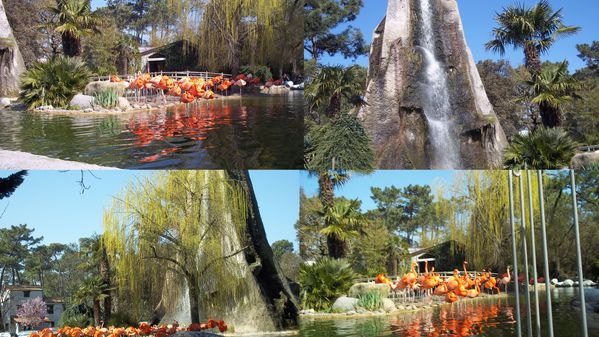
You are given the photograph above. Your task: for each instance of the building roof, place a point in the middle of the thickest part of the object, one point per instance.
(23, 288)
(53, 300)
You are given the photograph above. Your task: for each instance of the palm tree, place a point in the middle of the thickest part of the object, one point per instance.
(74, 20)
(342, 222)
(92, 289)
(96, 259)
(331, 85)
(552, 88)
(534, 29)
(542, 149)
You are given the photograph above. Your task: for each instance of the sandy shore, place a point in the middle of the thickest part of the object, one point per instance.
(15, 160)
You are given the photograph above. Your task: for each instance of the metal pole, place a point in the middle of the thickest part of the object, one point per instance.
(525, 252)
(514, 253)
(545, 255)
(583, 309)
(534, 253)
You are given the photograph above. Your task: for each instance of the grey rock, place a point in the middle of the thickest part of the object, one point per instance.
(4, 102)
(82, 101)
(345, 304)
(394, 117)
(45, 108)
(352, 312)
(100, 86)
(136, 106)
(583, 161)
(388, 305)
(88, 110)
(124, 103)
(363, 288)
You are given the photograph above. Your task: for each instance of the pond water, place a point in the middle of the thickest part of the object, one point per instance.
(252, 132)
(483, 317)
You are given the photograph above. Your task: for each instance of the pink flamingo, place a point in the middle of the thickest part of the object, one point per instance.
(506, 278)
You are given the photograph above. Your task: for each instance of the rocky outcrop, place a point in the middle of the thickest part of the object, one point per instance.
(395, 116)
(11, 61)
(364, 288)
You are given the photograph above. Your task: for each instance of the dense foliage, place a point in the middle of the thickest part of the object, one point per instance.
(54, 82)
(323, 282)
(541, 149)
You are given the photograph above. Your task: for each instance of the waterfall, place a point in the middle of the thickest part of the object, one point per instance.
(436, 103)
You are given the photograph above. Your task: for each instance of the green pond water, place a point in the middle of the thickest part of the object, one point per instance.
(252, 132)
(484, 317)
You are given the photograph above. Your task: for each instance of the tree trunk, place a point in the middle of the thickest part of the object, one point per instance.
(334, 106)
(532, 60)
(97, 311)
(282, 301)
(123, 63)
(194, 302)
(326, 189)
(71, 45)
(104, 267)
(11, 61)
(337, 247)
(550, 116)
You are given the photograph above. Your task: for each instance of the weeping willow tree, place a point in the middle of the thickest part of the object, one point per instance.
(227, 34)
(487, 233)
(196, 236)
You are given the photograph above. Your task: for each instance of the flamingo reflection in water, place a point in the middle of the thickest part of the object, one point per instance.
(193, 122)
(464, 319)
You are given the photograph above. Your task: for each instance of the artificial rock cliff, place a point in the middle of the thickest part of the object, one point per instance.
(427, 107)
(11, 61)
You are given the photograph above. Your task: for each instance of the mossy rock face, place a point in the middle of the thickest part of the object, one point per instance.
(100, 86)
(364, 288)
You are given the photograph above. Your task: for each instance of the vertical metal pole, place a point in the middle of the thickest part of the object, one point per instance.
(525, 252)
(583, 309)
(545, 255)
(534, 253)
(514, 253)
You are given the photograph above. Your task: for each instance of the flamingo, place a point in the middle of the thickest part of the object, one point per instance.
(451, 297)
(505, 279)
(472, 293)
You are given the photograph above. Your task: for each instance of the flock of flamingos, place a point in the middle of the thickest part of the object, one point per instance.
(190, 89)
(451, 288)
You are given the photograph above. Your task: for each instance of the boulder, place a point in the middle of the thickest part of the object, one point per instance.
(100, 86)
(345, 304)
(388, 305)
(4, 102)
(82, 101)
(124, 103)
(583, 161)
(364, 288)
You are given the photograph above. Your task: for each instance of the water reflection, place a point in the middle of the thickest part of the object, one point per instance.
(254, 132)
(493, 317)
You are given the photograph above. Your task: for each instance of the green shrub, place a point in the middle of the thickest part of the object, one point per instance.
(121, 319)
(323, 282)
(54, 82)
(107, 99)
(541, 149)
(371, 301)
(77, 316)
(258, 71)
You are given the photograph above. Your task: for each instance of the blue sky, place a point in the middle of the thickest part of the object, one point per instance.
(51, 202)
(478, 20)
(358, 187)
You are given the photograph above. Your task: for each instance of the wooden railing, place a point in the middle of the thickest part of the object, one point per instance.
(176, 75)
(446, 274)
(588, 148)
